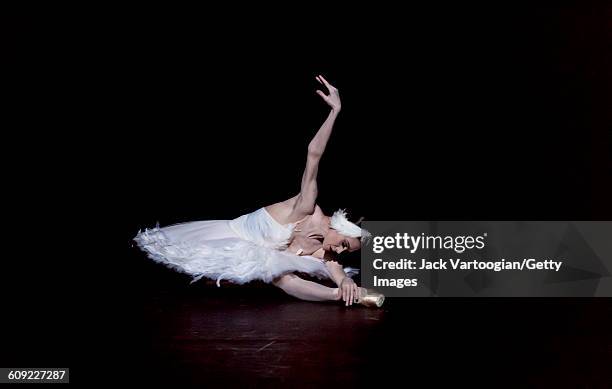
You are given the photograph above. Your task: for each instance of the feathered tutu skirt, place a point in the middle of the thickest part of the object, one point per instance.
(215, 250)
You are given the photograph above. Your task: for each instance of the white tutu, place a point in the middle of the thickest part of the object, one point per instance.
(241, 250)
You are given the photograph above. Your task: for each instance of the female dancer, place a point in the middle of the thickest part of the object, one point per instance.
(273, 242)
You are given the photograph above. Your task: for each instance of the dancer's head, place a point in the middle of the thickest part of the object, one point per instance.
(344, 235)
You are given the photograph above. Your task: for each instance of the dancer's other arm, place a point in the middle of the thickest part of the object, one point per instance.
(348, 289)
(303, 204)
(306, 290)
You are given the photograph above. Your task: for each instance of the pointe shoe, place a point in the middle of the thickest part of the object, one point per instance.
(370, 298)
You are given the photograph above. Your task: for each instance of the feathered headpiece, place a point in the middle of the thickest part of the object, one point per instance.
(340, 223)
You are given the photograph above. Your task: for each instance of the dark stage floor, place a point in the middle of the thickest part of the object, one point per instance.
(255, 335)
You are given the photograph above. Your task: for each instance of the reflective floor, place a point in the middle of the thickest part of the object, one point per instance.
(257, 336)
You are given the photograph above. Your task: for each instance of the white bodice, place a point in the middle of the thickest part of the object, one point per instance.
(262, 229)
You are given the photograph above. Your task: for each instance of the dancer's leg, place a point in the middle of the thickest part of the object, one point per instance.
(306, 290)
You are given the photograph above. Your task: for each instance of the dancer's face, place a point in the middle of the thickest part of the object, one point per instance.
(336, 242)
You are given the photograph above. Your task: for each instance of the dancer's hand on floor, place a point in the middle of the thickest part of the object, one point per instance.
(333, 99)
(349, 291)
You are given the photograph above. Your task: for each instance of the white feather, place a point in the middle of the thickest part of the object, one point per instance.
(340, 223)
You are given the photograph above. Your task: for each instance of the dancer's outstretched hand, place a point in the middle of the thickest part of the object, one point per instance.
(333, 98)
(349, 291)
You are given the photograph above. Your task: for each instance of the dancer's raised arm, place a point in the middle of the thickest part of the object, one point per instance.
(304, 203)
(308, 192)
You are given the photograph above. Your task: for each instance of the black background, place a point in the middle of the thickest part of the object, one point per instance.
(141, 116)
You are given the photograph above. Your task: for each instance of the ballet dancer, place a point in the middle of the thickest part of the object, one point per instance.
(273, 243)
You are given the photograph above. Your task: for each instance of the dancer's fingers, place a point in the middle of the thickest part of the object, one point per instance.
(318, 79)
(348, 296)
(320, 93)
(352, 295)
(327, 84)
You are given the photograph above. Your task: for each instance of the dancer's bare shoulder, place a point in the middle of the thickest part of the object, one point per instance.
(288, 211)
